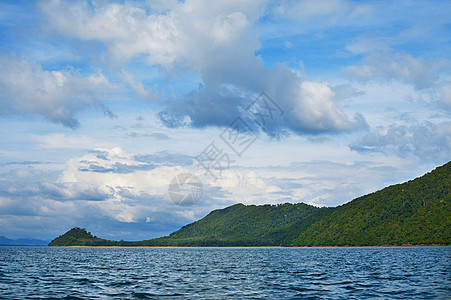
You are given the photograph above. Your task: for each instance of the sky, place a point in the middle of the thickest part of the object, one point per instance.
(104, 103)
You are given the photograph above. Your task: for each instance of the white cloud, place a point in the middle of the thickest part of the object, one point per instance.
(167, 34)
(429, 78)
(216, 39)
(118, 172)
(317, 109)
(444, 95)
(389, 65)
(319, 183)
(104, 186)
(427, 141)
(112, 187)
(249, 187)
(66, 141)
(56, 95)
(129, 187)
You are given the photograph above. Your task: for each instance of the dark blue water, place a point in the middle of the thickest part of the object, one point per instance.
(216, 273)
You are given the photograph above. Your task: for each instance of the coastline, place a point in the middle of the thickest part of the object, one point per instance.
(345, 246)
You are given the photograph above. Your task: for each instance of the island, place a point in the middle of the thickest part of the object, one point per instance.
(417, 212)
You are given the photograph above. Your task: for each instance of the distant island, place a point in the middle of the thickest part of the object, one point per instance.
(4, 241)
(417, 212)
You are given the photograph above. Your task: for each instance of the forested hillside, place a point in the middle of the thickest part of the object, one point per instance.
(252, 225)
(417, 212)
(80, 237)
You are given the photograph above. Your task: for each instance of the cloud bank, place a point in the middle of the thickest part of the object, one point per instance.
(113, 191)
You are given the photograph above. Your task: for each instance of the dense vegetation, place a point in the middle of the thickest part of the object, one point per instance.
(415, 212)
(80, 237)
(264, 225)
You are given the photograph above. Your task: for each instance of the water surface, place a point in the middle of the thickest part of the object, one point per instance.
(215, 273)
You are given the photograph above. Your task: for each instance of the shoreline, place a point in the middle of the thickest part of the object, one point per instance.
(345, 246)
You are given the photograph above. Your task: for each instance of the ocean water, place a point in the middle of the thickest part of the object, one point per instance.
(224, 273)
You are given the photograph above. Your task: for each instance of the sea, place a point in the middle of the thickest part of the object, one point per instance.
(225, 273)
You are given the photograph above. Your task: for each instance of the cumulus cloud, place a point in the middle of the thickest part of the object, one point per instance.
(105, 186)
(26, 88)
(427, 141)
(308, 107)
(165, 34)
(108, 169)
(110, 186)
(318, 111)
(218, 41)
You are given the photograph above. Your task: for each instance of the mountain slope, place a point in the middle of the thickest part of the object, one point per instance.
(252, 225)
(415, 212)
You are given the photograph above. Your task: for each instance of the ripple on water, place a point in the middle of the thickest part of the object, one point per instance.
(206, 273)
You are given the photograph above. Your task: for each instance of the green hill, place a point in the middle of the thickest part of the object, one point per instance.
(253, 225)
(416, 212)
(80, 237)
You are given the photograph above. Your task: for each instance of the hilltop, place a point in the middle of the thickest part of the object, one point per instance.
(80, 237)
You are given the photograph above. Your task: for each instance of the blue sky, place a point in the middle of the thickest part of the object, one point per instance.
(102, 103)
